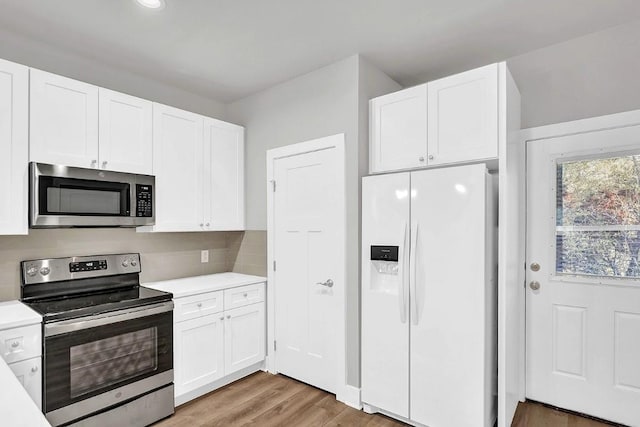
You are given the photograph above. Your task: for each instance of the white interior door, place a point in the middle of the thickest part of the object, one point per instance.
(308, 221)
(583, 292)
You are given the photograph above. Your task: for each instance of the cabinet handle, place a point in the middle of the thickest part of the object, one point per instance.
(421, 158)
(245, 295)
(201, 225)
(15, 344)
(228, 316)
(34, 369)
(93, 163)
(104, 164)
(199, 305)
(430, 156)
(222, 318)
(207, 224)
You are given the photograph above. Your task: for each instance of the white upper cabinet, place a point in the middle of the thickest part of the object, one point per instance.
(224, 175)
(446, 121)
(178, 167)
(14, 148)
(463, 116)
(125, 129)
(399, 130)
(63, 121)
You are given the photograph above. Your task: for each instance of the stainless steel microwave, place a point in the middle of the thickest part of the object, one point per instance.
(63, 196)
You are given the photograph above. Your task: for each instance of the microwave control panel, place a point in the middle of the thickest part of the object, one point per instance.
(144, 200)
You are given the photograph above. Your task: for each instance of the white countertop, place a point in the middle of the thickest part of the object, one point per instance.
(14, 314)
(200, 284)
(16, 407)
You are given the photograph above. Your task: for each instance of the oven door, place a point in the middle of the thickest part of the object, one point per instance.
(75, 197)
(96, 362)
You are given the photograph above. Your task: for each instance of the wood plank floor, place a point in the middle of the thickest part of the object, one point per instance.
(267, 400)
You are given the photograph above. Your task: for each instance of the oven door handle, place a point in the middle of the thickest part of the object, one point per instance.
(72, 325)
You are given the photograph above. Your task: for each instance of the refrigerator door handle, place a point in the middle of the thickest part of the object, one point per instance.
(413, 276)
(402, 298)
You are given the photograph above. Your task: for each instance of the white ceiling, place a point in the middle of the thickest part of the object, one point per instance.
(228, 49)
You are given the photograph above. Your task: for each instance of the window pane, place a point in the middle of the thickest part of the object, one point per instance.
(598, 217)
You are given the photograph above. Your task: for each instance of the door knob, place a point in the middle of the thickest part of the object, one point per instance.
(535, 285)
(328, 283)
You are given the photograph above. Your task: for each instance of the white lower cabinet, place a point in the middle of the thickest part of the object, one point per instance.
(198, 349)
(244, 340)
(212, 345)
(28, 373)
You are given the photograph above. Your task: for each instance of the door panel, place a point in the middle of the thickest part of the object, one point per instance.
(244, 337)
(451, 299)
(63, 121)
(224, 175)
(14, 147)
(583, 302)
(126, 143)
(177, 165)
(463, 116)
(385, 294)
(199, 352)
(307, 253)
(399, 130)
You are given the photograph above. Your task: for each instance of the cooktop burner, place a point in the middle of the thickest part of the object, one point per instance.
(67, 288)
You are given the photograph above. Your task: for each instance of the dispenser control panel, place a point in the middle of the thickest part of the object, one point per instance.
(384, 253)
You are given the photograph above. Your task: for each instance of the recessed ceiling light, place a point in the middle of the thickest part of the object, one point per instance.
(152, 4)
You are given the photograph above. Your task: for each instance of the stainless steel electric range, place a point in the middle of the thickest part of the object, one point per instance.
(108, 342)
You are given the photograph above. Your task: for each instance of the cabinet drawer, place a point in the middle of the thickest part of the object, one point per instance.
(197, 306)
(243, 295)
(21, 343)
(28, 373)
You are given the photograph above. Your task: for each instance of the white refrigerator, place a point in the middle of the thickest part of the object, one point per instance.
(429, 322)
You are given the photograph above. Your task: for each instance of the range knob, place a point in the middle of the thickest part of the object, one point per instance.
(125, 263)
(45, 270)
(32, 271)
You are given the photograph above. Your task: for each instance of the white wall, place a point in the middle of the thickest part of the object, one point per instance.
(38, 55)
(589, 76)
(327, 101)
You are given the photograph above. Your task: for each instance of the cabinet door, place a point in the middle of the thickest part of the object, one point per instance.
(125, 127)
(224, 175)
(29, 374)
(463, 116)
(177, 165)
(198, 352)
(244, 337)
(64, 121)
(399, 130)
(14, 148)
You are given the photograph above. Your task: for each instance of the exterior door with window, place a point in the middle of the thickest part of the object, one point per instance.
(583, 273)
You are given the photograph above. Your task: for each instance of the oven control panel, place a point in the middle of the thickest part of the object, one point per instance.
(144, 201)
(70, 268)
(100, 264)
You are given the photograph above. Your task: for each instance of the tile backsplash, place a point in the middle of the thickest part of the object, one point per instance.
(247, 252)
(163, 255)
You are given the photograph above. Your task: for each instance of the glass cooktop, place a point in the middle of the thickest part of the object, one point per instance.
(85, 305)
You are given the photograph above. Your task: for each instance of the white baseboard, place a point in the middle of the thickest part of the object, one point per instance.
(350, 396)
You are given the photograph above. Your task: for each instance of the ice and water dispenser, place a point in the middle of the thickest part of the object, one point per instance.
(385, 269)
